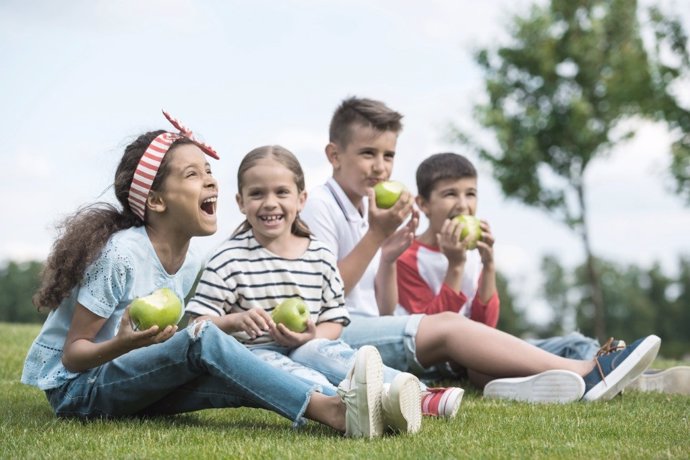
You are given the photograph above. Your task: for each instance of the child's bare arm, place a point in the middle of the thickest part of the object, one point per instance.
(487, 285)
(453, 248)
(82, 353)
(382, 224)
(386, 283)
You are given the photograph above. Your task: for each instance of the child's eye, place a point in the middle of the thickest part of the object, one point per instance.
(191, 174)
(389, 156)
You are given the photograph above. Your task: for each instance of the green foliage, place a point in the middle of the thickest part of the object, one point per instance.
(511, 318)
(638, 302)
(637, 425)
(557, 95)
(574, 71)
(18, 282)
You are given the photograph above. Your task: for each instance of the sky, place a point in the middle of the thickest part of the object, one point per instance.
(81, 79)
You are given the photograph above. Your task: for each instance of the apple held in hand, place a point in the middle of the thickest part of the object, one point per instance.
(162, 308)
(293, 313)
(471, 230)
(387, 193)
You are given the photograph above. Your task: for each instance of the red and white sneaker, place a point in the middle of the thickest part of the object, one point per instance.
(442, 402)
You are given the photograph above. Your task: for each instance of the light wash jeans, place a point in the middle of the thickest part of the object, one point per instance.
(573, 345)
(393, 336)
(190, 371)
(321, 361)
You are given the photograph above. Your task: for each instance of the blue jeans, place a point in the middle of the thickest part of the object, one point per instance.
(321, 361)
(394, 337)
(190, 371)
(573, 345)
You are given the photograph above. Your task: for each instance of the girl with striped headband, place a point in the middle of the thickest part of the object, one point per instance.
(89, 359)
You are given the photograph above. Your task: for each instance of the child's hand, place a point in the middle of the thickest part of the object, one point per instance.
(287, 338)
(450, 244)
(254, 322)
(385, 222)
(137, 339)
(485, 245)
(395, 245)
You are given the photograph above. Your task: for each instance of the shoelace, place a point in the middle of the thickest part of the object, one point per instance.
(611, 346)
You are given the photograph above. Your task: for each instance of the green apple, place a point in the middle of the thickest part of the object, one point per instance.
(387, 193)
(293, 313)
(471, 230)
(162, 308)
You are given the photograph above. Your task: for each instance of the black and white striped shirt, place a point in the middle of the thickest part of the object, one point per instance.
(243, 275)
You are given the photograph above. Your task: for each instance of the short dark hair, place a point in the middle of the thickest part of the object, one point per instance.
(442, 166)
(366, 112)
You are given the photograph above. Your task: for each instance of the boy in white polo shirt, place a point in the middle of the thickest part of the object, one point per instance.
(367, 242)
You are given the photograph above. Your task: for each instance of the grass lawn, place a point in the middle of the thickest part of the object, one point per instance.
(635, 425)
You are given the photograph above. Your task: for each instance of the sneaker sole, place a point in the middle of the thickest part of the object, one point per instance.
(369, 373)
(634, 365)
(449, 405)
(554, 386)
(675, 380)
(403, 406)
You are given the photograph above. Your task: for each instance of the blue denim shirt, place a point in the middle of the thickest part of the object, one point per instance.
(127, 268)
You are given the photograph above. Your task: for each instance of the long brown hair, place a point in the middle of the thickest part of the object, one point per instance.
(82, 235)
(287, 159)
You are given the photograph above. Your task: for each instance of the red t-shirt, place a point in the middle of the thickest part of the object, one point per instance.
(421, 271)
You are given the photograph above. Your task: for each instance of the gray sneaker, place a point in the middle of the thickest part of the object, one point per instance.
(675, 380)
(361, 392)
(554, 386)
(402, 405)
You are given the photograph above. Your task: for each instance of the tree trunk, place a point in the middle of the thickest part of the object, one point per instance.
(593, 276)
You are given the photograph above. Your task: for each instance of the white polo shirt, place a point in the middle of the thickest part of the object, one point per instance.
(335, 221)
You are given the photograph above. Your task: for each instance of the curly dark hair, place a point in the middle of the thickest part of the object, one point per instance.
(82, 235)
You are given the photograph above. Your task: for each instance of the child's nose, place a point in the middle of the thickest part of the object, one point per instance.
(270, 201)
(379, 164)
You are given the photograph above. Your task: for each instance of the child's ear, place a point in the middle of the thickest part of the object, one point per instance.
(240, 203)
(302, 199)
(332, 155)
(155, 202)
(422, 204)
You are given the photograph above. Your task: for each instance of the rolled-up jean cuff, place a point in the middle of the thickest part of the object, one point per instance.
(300, 420)
(410, 343)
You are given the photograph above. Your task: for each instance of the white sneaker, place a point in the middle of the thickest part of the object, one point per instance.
(554, 386)
(401, 401)
(361, 393)
(675, 380)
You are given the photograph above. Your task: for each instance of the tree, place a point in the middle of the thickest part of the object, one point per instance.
(511, 318)
(557, 293)
(557, 96)
(18, 282)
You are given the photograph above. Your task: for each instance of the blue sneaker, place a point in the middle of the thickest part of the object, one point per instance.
(615, 369)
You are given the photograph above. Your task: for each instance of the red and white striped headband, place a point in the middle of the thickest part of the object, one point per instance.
(151, 160)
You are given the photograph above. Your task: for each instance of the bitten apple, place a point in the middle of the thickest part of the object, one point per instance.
(293, 313)
(471, 230)
(162, 308)
(387, 193)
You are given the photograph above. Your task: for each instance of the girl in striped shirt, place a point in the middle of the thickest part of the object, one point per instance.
(272, 257)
